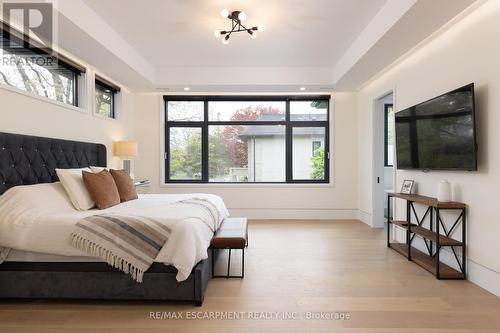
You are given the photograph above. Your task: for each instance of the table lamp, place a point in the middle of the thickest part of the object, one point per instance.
(125, 150)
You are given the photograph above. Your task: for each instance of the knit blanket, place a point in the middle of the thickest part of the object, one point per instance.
(131, 243)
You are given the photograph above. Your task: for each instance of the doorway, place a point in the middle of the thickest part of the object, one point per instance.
(383, 157)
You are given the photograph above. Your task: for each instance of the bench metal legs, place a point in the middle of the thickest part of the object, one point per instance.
(228, 276)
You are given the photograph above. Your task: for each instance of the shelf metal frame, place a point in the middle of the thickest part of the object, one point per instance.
(433, 214)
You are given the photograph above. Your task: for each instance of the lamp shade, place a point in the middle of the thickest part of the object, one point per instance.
(125, 149)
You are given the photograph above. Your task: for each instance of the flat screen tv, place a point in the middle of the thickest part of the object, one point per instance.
(438, 134)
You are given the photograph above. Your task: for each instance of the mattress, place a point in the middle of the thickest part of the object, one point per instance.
(27, 256)
(16, 255)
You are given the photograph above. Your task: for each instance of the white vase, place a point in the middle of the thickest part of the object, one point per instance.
(444, 191)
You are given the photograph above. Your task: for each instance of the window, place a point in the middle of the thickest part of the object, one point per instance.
(388, 135)
(36, 69)
(251, 153)
(307, 166)
(249, 139)
(105, 93)
(316, 145)
(309, 111)
(185, 149)
(185, 111)
(246, 111)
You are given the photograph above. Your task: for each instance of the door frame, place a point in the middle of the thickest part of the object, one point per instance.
(378, 142)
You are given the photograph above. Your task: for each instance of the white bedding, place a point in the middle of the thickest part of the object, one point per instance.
(40, 218)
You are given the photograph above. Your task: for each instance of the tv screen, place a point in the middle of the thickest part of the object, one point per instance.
(438, 134)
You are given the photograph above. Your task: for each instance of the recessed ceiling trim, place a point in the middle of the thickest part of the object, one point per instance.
(80, 14)
(388, 15)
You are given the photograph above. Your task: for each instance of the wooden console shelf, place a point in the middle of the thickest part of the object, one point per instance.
(428, 201)
(427, 234)
(434, 239)
(427, 262)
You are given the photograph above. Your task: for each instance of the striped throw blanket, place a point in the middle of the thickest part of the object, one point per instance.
(131, 243)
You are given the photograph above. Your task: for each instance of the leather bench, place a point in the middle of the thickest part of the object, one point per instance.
(232, 234)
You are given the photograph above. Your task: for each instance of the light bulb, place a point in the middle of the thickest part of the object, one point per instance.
(217, 34)
(187, 88)
(225, 41)
(242, 16)
(224, 13)
(302, 88)
(253, 35)
(260, 27)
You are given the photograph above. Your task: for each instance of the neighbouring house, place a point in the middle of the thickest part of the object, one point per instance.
(266, 149)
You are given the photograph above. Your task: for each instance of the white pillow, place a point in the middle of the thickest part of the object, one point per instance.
(96, 169)
(72, 181)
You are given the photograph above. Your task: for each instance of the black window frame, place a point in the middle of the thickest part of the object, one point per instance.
(204, 125)
(386, 134)
(113, 89)
(29, 47)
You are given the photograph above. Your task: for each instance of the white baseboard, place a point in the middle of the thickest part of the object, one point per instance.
(302, 214)
(484, 277)
(365, 217)
(476, 273)
(295, 214)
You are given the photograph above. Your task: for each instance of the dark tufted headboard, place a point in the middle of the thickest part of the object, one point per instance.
(26, 160)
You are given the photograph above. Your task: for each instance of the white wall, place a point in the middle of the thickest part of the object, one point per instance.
(467, 51)
(338, 200)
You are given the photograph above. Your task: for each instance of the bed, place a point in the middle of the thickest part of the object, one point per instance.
(41, 264)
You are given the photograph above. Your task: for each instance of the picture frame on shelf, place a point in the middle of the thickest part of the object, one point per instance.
(407, 186)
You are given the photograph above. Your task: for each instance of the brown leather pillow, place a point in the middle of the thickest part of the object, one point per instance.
(102, 188)
(124, 184)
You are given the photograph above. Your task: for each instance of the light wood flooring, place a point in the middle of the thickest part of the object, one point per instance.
(292, 267)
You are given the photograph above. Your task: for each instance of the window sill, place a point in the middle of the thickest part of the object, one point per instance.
(246, 185)
(42, 98)
(100, 116)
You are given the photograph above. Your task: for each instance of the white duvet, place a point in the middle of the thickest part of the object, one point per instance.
(40, 218)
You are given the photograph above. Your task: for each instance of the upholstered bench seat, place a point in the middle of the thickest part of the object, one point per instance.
(232, 234)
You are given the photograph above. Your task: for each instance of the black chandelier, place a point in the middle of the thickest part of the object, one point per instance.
(236, 17)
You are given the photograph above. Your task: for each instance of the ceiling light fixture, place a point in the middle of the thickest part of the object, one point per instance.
(187, 88)
(224, 13)
(302, 88)
(236, 18)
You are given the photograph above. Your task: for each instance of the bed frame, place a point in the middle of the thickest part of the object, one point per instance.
(26, 160)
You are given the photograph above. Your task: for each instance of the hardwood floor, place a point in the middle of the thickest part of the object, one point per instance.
(294, 268)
